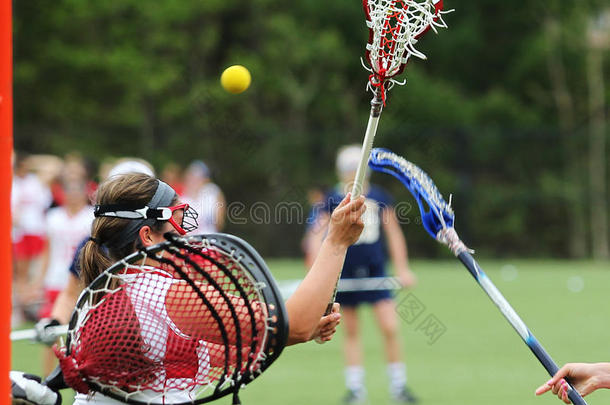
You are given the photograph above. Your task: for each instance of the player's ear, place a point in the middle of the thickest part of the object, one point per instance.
(145, 234)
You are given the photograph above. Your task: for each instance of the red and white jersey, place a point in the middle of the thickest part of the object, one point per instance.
(30, 199)
(147, 292)
(64, 233)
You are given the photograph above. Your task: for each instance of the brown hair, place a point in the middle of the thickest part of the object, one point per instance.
(104, 248)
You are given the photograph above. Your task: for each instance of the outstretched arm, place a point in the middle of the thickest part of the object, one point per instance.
(307, 305)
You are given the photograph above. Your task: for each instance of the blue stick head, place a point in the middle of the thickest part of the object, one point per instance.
(436, 213)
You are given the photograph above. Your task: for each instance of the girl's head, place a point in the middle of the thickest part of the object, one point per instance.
(132, 211)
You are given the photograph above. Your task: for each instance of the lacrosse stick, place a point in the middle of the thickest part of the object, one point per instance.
(394, 28)
(438, 218)
(183, 322)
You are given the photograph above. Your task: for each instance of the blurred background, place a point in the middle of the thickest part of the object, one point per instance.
(508, 114)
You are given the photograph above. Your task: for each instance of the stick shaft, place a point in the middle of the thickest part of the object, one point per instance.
(516, 322)
(367, 144)
(32, 334)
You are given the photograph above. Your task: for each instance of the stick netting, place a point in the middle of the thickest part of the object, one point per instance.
(173, 328)
(394, 28)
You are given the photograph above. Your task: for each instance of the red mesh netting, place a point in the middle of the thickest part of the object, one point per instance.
(160, 331)
(394, 27)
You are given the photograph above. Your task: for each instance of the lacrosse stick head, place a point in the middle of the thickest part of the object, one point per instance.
(183, 322)
(436, 213)
(394, 28)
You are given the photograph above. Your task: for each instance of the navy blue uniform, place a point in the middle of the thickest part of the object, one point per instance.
(368, 256)
(75, 265)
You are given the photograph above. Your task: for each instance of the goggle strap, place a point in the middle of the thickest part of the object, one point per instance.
(126, 211)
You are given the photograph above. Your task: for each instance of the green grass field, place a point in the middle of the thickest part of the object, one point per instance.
(478, 360)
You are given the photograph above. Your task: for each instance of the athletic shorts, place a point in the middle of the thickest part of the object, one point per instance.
(355, 298)
(50, 296)
(28, 247)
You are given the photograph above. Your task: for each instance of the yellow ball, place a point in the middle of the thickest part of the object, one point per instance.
(235, 79)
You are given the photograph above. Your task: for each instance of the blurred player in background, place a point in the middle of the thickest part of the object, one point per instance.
(30, 198)
(205, 197)
(66, 226)
(79, 168)
(125, 165)
(367, 258)
(172, 175)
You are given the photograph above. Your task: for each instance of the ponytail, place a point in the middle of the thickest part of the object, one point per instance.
(93, 261)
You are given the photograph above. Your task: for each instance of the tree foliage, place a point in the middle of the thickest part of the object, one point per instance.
(142, 78)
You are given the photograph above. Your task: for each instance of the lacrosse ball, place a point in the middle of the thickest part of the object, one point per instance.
(235, 79)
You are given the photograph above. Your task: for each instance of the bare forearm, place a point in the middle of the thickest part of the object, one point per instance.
(603, 374)
(66, 301)
(398, 251)
(397, 245)
(308, 303)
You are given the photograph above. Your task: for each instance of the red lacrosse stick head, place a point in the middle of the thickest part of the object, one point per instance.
(394, 28)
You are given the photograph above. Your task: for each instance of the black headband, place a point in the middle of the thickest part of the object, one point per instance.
(141, 215)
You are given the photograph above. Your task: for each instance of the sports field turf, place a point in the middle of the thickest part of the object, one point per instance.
(459, 348)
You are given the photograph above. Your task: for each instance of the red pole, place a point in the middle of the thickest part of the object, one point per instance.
(6, 148)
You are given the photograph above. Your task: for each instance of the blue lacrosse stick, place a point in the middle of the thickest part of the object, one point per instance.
(437, 219)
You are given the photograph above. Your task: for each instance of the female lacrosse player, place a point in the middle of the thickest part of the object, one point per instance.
(367, 258)
(113, 237)
(585, 378)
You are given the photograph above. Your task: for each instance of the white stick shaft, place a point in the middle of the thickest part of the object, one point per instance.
(32, 334)
(367, 145)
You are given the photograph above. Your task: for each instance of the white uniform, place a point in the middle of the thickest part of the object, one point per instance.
(206, 203)
(147, 293)
(64, 233)
(30, 198)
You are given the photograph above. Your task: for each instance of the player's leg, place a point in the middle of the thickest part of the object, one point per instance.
(354, 370)
(387, 319)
